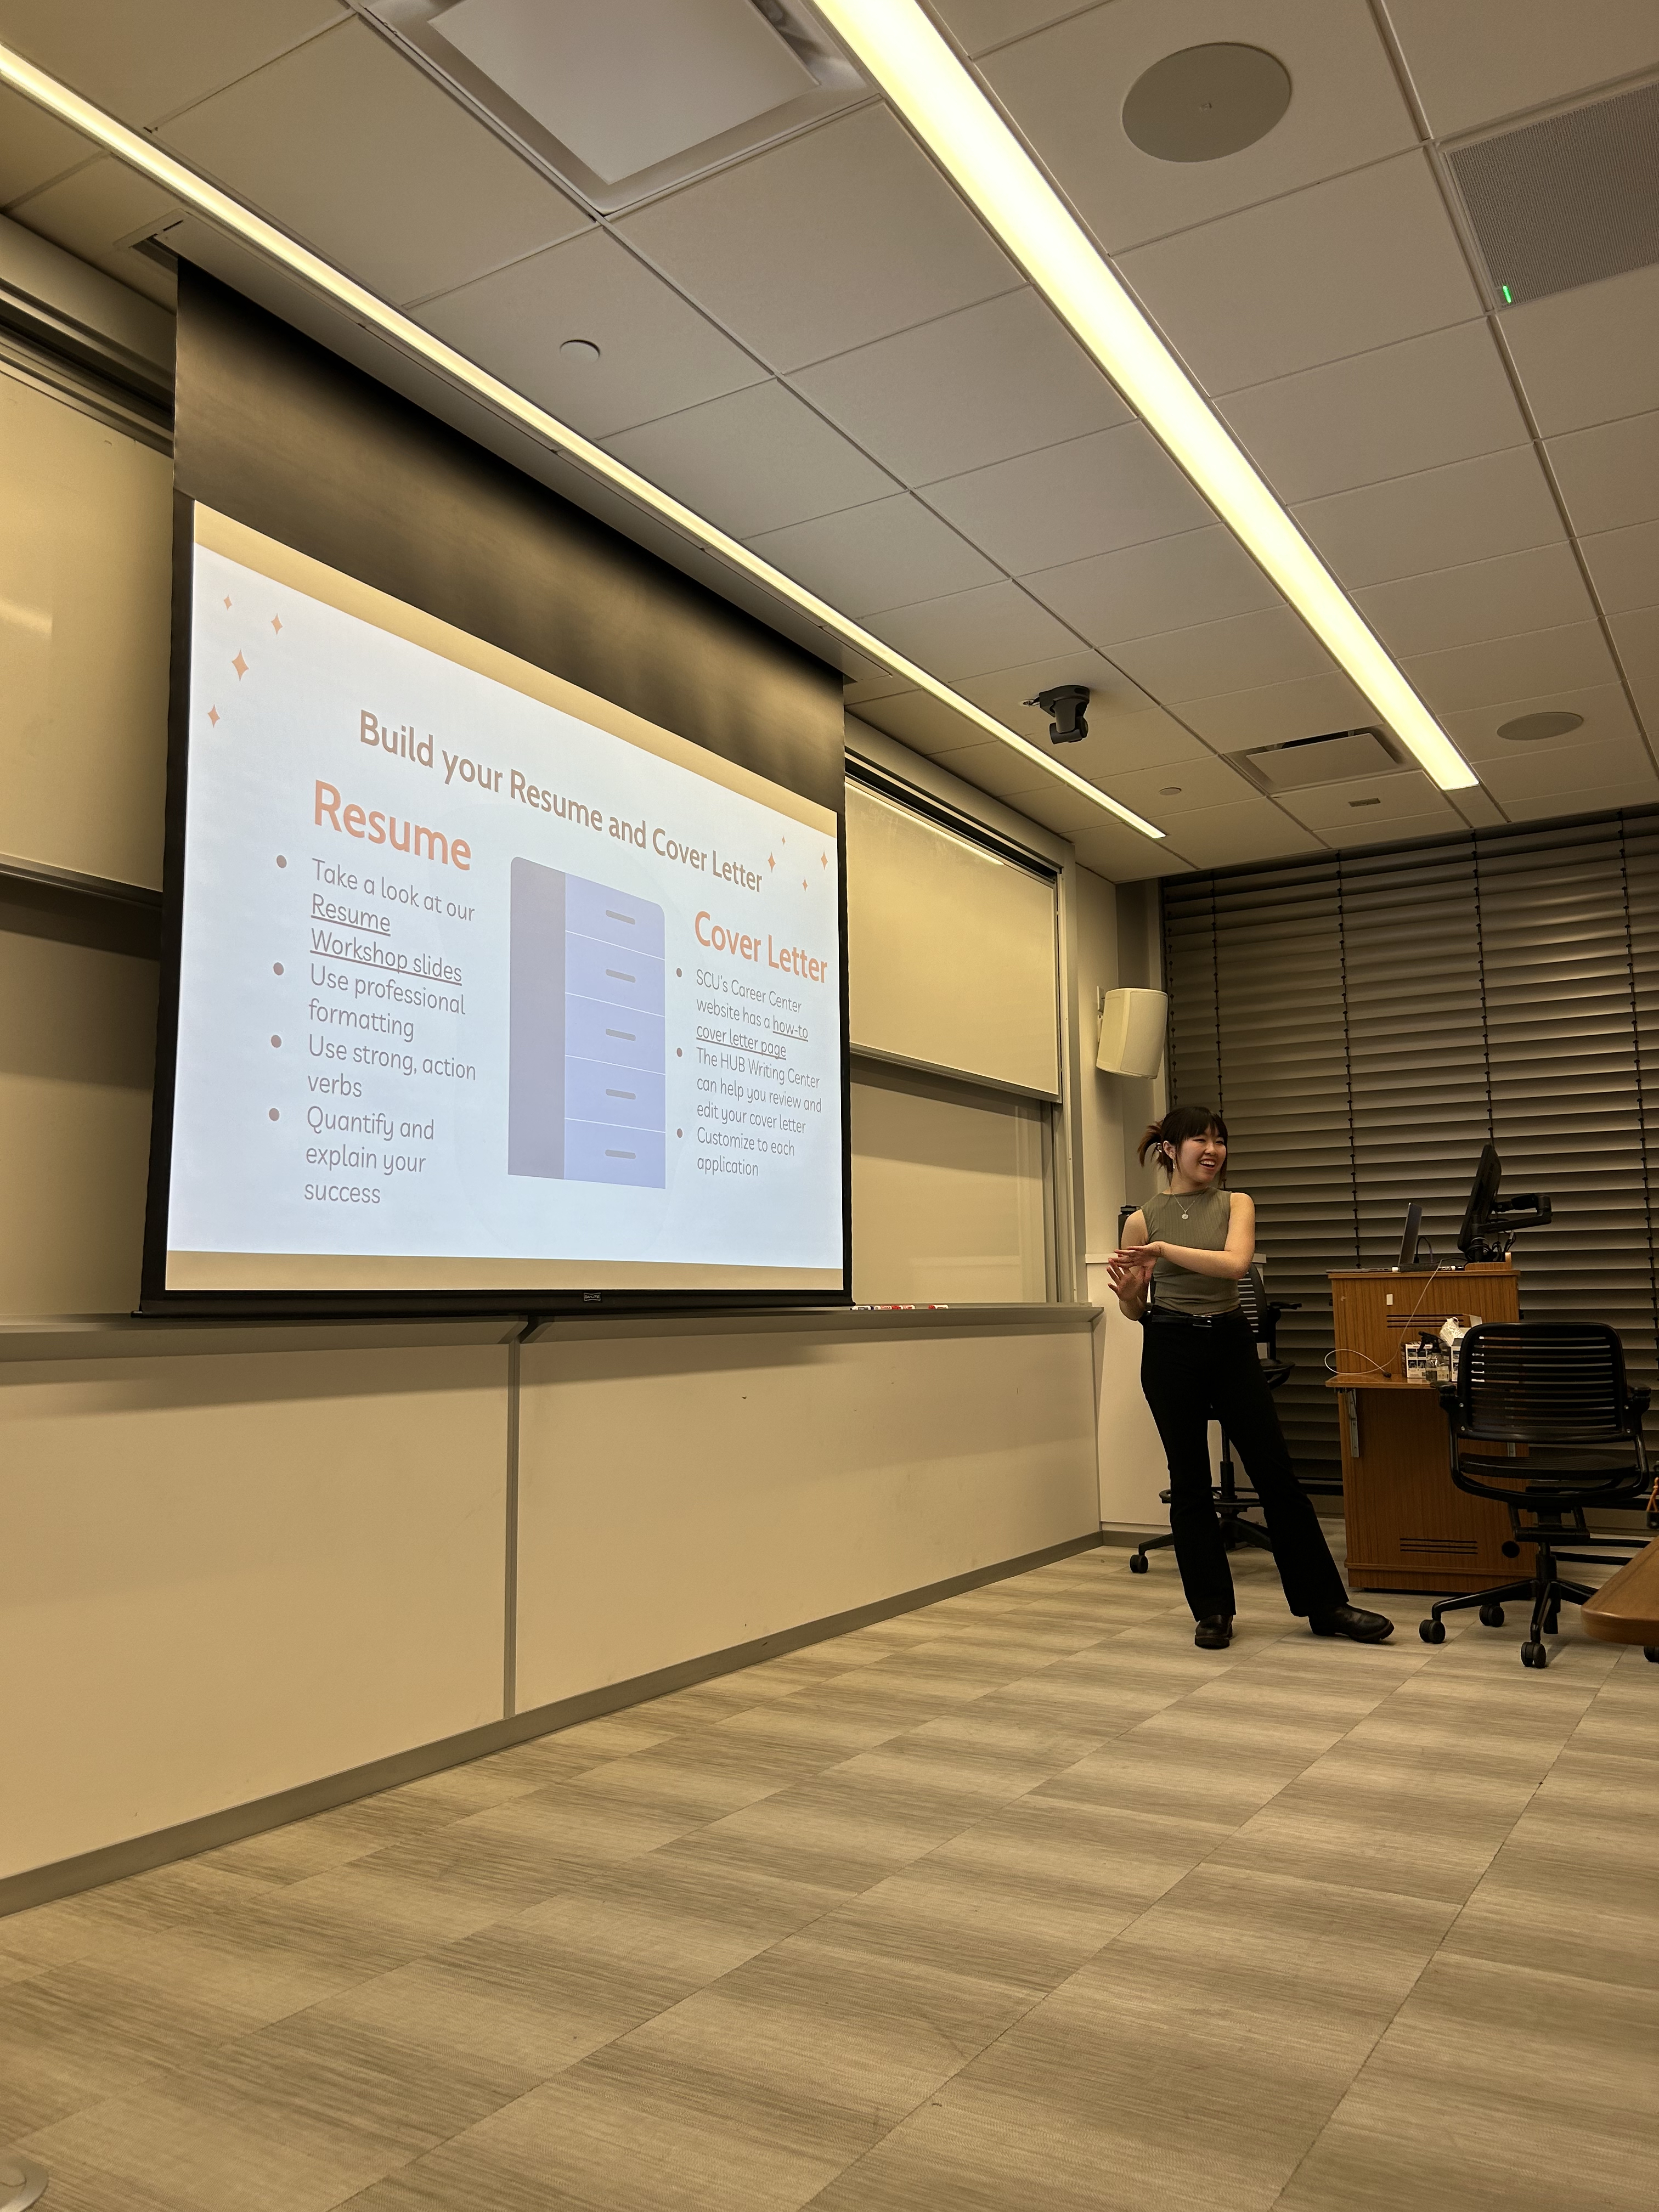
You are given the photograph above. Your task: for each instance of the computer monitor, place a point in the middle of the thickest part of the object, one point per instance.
(1491, 1223)
(1408, 1236)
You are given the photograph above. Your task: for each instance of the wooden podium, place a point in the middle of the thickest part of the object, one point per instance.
(1409, 1528)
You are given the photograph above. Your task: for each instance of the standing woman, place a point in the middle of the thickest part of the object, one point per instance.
(1178, 1273)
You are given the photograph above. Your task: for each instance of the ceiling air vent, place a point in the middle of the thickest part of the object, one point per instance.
(1566, 200)
(621, 99)
(1332, 759)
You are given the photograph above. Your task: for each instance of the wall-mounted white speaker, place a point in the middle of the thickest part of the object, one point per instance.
(1132, 1026)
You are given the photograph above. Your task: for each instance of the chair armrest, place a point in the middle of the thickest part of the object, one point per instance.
(1448, 1397)
(1289, 1305)
(1640, 1398)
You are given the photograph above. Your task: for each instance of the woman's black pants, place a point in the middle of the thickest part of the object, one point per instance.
(1193, 1373)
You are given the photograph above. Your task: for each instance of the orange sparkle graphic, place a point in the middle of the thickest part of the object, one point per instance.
(823, 859)
(770, 862)
(212, 716)
(226, 605)
(241, 666)
(277, 624)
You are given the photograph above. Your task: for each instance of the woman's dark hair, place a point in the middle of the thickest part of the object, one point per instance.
(1177, 1124)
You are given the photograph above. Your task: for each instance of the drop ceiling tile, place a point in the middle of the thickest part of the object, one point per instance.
(1637, 790)
(970, 632)
(1542, 589)
(34, 147)
(1247, 830)
(924, 725)
(1512, 668)
(1436, 519)
(977, 24)
(1609, 476)
(1469, 70)
(1278, 714)
(891, 553)
(1116, 488)
(1564, 772)
(1161, 795)
(1636, 637)
(657, 354)
(1391, 413)
(969, 389)
(1066, 87)
(1353, 836)
(143, 62)
(1121, 856)
(1274, 646)
(752, 460)
(873, 687)
(1624, 566)
(1383, 802)
(842, 235)
(354, 148)
(88, 211)
(1605, 709)
(1590, 354)
(1203, 576)
(1358, 262)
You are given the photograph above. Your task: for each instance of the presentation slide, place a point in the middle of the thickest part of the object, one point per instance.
(485, 983)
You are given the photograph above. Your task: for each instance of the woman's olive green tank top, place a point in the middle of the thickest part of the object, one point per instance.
(1199, 1218)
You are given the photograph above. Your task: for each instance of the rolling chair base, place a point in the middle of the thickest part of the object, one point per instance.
(21, 2182)
(1544, 1587)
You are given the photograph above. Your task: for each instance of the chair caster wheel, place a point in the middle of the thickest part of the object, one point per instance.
(1510, 1551)
(1138, 1563)
(1491, 1616)
(1651, 1651)
(1534, 1654)
(1431, 1631)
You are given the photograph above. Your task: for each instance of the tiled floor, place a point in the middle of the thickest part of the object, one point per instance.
(1019, 1901)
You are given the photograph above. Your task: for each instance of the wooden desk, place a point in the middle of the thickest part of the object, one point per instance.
(1408, 1527)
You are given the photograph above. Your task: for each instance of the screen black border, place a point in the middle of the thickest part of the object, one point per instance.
(155, 1298)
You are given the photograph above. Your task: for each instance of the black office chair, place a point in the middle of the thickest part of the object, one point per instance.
(1557, 1387)
(1232, 1504)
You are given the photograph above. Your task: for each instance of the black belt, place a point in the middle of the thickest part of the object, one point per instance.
(1168, 1314)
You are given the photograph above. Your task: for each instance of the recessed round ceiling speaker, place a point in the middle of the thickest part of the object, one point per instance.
(1555, 724)
(580, 349)
(1205, 102)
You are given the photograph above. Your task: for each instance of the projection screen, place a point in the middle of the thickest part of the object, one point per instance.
(487, 988)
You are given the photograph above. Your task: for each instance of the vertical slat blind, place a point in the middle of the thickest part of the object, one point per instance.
(1365, 1022)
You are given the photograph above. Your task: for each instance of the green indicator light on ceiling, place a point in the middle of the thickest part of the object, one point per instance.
(1508, 301)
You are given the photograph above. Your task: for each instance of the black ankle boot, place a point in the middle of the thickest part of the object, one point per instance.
(1214, 1632)
(1352, 1620)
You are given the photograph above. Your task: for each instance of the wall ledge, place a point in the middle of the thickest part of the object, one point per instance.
(126, 1336)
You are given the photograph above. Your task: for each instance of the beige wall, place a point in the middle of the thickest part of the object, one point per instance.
(1132, 1466)
(77, 1047)
(85, 586)
(228, 1574)
(690, 1488)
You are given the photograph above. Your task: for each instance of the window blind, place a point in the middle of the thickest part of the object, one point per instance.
(1366, 1022)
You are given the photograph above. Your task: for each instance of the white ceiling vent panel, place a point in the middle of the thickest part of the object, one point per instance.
(1306, 762)
(622, 99)
(628, 83)
(1567, 200)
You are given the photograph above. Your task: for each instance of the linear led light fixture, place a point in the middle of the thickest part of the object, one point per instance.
(902, 52)
(227, 213)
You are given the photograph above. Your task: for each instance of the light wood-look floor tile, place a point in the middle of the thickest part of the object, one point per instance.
(1018, 1900)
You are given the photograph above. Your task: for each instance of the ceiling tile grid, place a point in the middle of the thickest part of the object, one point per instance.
(819, 347)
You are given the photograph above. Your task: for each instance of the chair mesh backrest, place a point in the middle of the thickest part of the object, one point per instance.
(1544, 1382)
(1249, 1299)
